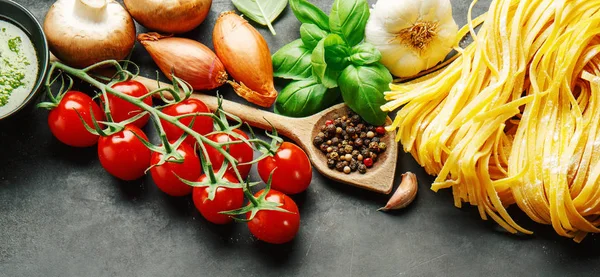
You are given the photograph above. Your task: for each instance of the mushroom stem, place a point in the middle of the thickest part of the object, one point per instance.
(91, 9)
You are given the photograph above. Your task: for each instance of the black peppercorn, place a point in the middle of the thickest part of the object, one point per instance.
(318, 141)
(330, 130)
(323, 147)
(358, 142)
(374, 157)
(374, 147)
(349, 143)
(350, 130)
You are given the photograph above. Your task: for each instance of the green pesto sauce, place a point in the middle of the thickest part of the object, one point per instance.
(18, 66)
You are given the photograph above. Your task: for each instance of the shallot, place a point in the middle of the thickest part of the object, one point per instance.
(188, 59)
(246, 57)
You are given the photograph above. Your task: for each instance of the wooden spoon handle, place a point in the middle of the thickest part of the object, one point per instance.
(253, 116)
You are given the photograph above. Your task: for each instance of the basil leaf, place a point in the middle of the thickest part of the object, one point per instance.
(365, 54)
(328, 58)
(311, 34)
(348, 19)
(263, 12)
(304, 98)
(309, 13)
(362, 89)
(292, 61)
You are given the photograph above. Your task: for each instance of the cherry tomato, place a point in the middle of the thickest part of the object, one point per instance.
(275, 226)
(293, 171)
(123, 155)
(226, 199)
(202, 124)
(241, 151)
(165, 175)
(65, 123)
(122, 110)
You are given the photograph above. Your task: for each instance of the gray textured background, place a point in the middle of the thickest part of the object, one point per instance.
(62, 215)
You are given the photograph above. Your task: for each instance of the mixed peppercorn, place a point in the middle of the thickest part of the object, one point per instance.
(350, 143)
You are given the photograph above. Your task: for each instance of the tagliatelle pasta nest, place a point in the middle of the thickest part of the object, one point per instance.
(516, 118)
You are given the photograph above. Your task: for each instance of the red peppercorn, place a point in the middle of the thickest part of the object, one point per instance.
(368, 162)
(328, 122)
(380, 130)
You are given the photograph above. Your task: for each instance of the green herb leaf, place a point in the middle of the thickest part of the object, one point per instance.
(304, 98)
(348, 19)
(311, 34)
(292, 61)
(328, 59)
(263, 12)
(309, 13)
(365, 54)
(362, 89)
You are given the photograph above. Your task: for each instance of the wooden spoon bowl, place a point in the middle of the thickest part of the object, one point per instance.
(379, 178)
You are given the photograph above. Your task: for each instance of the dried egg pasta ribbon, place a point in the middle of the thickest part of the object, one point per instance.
(514, 119)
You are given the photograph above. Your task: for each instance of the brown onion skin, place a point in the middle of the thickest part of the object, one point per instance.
(247, 58)
(80, 50)
(174, 16)
(190, 60)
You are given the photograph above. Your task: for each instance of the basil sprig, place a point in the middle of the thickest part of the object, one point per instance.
(330, 61)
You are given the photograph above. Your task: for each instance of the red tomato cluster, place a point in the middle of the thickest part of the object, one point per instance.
(124, 156)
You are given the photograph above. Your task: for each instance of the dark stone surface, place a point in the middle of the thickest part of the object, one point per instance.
(61, 214)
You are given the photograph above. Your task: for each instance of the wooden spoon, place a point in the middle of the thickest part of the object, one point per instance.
(379, 178)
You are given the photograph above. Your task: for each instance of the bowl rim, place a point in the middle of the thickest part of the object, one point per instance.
(44, 62)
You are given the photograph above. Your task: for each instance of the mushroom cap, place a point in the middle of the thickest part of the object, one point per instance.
(81, 38)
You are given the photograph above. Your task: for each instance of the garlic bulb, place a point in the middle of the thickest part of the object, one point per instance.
(412, 35)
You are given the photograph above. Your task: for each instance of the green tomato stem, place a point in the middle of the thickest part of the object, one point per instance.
(155, 113)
